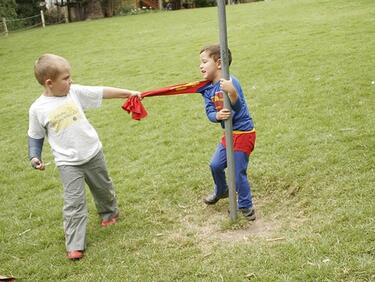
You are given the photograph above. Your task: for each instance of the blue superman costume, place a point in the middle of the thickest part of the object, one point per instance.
(243, 132)
(243, 142)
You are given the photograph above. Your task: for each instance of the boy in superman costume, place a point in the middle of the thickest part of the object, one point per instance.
(243, 129)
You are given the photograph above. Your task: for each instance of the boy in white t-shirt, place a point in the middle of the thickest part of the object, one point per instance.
(58, 114)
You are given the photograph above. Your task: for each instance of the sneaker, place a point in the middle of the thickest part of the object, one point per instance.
(213, 198)
(75, 255)
(249, 213)
(108, 222)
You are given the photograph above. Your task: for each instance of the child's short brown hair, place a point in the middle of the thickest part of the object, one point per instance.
(214, 52)
(49, 66)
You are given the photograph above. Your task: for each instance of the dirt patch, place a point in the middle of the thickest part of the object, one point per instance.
(212, 229)
(210, 226)
(215, 229)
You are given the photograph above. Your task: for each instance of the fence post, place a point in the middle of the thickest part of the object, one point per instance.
(43, 21)
(66, 14)
(5, 26)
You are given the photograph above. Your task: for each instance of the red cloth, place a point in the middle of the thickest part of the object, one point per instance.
(242, 141)
(133, 105)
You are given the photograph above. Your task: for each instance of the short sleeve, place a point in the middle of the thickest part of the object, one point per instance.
(36, 130)
(87, 96)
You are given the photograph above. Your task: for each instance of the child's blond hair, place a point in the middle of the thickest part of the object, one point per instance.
(49, 66)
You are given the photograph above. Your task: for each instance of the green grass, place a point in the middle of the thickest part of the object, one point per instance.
(307, 68)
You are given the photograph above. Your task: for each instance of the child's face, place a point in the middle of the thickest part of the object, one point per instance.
(60, 86)
(210, 69)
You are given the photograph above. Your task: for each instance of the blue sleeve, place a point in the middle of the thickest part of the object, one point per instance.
(35, 148)
(212, 117)
(238, 105)
(210, 109)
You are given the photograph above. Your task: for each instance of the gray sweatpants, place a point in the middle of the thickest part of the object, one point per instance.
(95, 174)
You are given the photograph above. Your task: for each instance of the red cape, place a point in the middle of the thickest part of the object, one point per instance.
(134, 106)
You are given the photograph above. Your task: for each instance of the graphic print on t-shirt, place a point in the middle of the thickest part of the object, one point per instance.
(64, 116)
(218, 100)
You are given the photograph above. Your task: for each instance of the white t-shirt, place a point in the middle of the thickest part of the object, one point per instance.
(72, 138)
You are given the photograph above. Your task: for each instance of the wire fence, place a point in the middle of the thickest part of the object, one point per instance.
(14, 25)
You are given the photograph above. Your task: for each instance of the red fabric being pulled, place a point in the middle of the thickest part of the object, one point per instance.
(134, 106)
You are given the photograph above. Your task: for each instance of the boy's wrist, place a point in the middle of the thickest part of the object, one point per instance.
(35, 162)
(135, 93)
(35, 148)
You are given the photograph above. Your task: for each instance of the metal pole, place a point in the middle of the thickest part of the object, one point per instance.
(228, 123)
(5, 27)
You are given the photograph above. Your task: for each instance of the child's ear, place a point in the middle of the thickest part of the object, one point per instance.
(48, 82)
(218, 63)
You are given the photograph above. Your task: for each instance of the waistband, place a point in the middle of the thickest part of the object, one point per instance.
(243, 132)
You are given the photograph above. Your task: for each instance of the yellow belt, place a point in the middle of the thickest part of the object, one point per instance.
(242, 132)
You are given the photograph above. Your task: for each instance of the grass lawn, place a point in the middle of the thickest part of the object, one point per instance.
(308, 70)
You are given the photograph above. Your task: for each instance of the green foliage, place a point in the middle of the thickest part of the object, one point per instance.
(127, 7)
(8, 9)
(27, 8)
(307, 68)
(204, 3)
(21, 13)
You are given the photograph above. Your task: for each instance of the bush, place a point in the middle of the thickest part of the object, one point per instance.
(8, 9)
(204, 3)
(27, 8)
(130, 9)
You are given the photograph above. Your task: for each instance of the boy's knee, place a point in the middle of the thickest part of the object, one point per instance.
(74, 206)
(216, 166)
(241, 173)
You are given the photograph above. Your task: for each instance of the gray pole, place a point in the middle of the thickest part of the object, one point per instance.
(228, 123)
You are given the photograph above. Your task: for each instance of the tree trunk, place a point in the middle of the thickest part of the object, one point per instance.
(94, 9)
(107, 8)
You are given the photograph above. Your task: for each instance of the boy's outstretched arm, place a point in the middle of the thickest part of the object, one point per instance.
(35, 153)
(113, 92)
